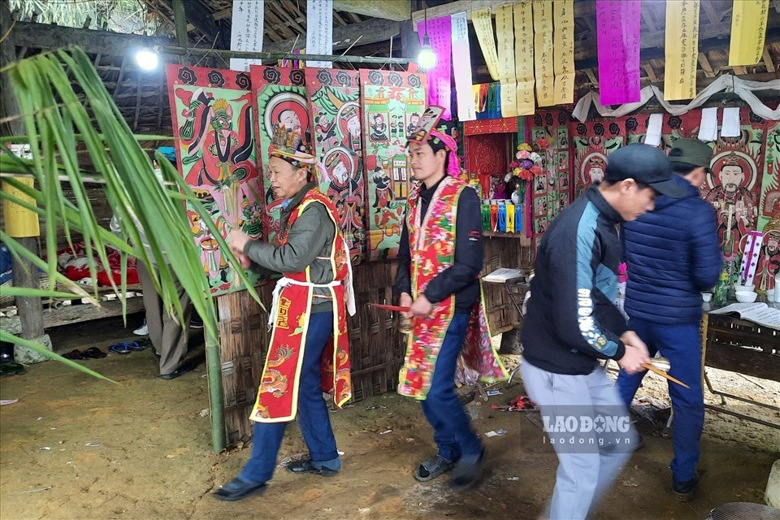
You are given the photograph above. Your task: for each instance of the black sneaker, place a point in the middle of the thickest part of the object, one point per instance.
(196, 324)
(685, 490)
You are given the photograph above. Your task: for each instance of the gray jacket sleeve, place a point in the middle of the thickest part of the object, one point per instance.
(305, 240)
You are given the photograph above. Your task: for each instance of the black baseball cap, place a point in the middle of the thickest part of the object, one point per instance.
(646, 165)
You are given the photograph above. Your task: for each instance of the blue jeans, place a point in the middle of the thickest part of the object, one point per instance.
(681, 345)
(312, 413)
(451, 427)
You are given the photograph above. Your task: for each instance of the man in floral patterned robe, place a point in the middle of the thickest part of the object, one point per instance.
(440, 257)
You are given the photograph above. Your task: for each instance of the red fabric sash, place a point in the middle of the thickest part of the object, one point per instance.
(277, 397)
(432, 249)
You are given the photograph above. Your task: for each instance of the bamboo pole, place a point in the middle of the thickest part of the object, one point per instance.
(283, 56)
(216, 397)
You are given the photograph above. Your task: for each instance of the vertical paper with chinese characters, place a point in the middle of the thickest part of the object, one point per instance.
(682, 49)
(462, 67)
(319, 30)
(618, 46)
(506, 60)
(524, 58)
(543, 52)
(564, 51)
(748, 31)
(247, 31)
(483, 26)
(439, 32)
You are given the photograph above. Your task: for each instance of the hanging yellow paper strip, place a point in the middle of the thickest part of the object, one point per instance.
(506, 59)
(748, 31)
(682, 49)
(20, 222)
(524, 57)
(543, 52)
(564, 51)
(483, 26)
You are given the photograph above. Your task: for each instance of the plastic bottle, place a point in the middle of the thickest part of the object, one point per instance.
(777, 287)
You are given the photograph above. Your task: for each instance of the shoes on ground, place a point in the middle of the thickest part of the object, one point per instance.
(143, 330)
(467, 471)
(183, 369)
(685, 490)
(238, 489)
(307, 466)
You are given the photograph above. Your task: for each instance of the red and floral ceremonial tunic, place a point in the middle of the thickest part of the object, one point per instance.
(432, 250)
(277, 397)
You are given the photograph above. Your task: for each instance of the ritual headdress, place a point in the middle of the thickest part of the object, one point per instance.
(289, 145)
(428, 130)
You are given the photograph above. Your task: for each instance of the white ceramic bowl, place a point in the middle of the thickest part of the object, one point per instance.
(746, 296)
(744, 288)
(706, 296)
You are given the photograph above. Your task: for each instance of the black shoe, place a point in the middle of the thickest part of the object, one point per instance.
(183, 369)
(238, 489)
(467, 471)
(195, 324)
(685, 490)
(305, 466)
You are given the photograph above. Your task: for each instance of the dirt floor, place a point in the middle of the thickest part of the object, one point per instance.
(74, 447)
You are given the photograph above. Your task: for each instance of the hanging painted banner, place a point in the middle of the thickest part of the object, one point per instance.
(618, 47)
(279, 96)
(398, 97)
(212, 123)
(506, 59)
(734, 186)
(246, 33)
(682, 49)
(439, 31)
(593, 142)
(334, 102)
(524, 57)
(462, 67)
(769, 214)
(319, 30)
(564, 51)
(543, 53)
(770, 187)
(748, 31)
(483, 26)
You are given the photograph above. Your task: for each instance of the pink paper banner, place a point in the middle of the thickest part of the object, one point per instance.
(439, 32)
(618, 44)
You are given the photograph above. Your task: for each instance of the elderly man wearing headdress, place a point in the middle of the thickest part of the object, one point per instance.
(440, 257)
(309, 350)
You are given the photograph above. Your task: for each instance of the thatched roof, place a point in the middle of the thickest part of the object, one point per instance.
(142, 97)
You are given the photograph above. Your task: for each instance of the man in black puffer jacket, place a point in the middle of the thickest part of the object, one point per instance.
(672, 255)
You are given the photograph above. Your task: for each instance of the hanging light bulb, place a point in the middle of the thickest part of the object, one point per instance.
(427, 58)
(147, 59)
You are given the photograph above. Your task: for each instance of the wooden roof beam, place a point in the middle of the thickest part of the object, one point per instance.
(770, 66)
(203, 21)
(651, 73)
(47, 36)
(396, 10)
(370, 31)
(705, 65)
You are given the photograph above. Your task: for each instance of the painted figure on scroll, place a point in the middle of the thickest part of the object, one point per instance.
(440, 257)
(309, 349)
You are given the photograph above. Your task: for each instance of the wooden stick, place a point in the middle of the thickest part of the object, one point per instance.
(665, 375)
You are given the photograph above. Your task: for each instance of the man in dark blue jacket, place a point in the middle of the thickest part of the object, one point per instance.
(572, 322)
(672, 255)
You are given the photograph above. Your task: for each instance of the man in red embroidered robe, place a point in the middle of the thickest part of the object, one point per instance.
(440, 257)
(309, 351)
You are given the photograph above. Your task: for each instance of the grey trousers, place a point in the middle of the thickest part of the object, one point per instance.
(168, 336)
(588, 460)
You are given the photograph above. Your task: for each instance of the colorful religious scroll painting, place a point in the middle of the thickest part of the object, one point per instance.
(212, 123)
(551, 191)
(334, 101)
(392, 104)
(279, 95)
(734, 187)
(769, 214)
(593, 142)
